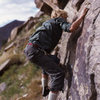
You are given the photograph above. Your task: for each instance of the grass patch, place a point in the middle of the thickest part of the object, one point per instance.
(10, 55)
(17, 78)
(34, 89)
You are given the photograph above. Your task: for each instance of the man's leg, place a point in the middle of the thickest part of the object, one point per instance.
(44, 80)
(45, 88)
(55, 72)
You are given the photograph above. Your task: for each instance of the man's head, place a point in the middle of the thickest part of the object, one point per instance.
(59, 13)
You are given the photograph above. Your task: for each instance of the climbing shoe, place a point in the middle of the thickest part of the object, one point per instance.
(45, 91)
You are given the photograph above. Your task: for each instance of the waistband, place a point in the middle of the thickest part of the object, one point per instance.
(34, 45)
(38, 47)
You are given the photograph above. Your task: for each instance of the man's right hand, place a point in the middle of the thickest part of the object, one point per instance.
(76, 24)
(84, 12)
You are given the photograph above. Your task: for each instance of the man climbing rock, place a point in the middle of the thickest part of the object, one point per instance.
(40, 45)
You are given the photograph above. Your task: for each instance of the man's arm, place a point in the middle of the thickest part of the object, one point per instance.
(76, 23)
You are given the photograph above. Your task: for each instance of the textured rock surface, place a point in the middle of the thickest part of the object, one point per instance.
(46, 8)
(80, 53)
(43, 6)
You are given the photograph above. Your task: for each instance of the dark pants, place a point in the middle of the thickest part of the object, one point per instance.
(49, 65)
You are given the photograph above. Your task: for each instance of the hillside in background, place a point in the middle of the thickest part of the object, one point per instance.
(5, 31)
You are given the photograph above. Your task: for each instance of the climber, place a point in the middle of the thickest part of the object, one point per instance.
(40, 45)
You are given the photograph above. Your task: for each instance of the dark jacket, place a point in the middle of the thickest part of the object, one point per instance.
(48, 35)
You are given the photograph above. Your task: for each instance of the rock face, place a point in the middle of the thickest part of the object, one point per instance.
(46, 7)
(43, 6)
(80, 53)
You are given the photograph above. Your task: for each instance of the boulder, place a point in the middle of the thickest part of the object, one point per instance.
(4, 66)
(26, 26)
(15, 32)
(43, 7)
(9, 46)
(2, 86)
(46, 6)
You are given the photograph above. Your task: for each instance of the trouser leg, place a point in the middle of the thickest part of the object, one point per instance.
(44, 80)
(56, 73)
(45, 75)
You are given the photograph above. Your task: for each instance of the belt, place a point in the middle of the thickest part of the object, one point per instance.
(34, 45)
(37, 47)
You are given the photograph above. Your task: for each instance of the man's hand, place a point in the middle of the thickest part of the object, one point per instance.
(76, 24)
(84, 12)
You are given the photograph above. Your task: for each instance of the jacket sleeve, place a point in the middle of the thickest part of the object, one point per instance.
(64, 25)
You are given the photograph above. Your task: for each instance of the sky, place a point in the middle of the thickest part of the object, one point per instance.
(16, 10)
